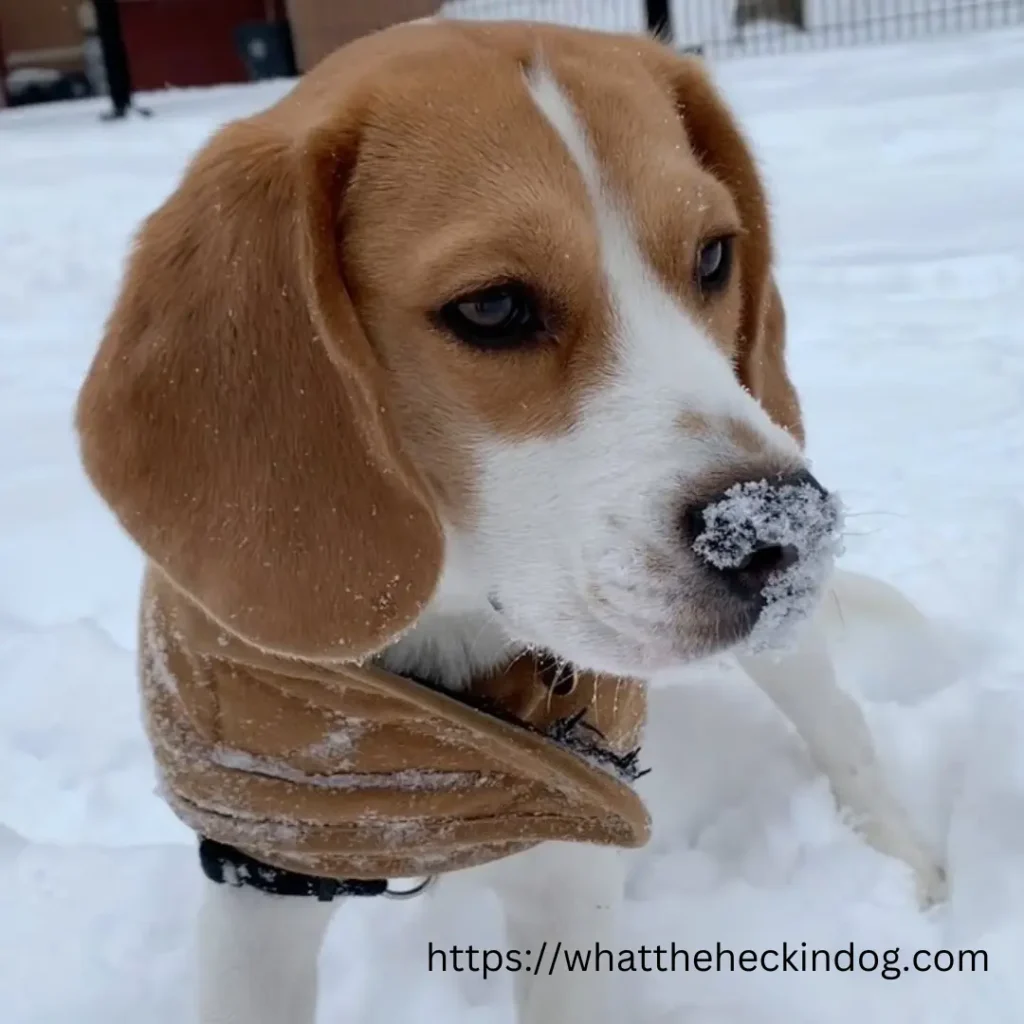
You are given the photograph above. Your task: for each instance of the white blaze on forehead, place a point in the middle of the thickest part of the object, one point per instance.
(661, 352)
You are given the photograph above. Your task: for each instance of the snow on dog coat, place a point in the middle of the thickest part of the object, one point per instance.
(348, 771)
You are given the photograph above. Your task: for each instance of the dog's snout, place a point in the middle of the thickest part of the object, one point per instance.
(804, 476)
(734, 531)
(694, 522)
(748, 576)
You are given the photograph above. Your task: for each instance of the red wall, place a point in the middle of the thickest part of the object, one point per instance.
(186, 42)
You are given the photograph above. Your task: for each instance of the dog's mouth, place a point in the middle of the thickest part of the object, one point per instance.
(754, 571)
(571, 729)
(558, 675)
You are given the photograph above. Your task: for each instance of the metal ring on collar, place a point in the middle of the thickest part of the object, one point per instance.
(407, 894)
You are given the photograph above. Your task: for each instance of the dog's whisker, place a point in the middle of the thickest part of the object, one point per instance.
(834, 594)
(875, 512)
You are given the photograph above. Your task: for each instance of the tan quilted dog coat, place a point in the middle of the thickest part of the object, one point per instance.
(350, 772)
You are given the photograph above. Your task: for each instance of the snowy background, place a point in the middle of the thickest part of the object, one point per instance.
(898, 178)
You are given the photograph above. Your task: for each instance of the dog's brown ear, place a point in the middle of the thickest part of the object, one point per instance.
(764, 369)
(235, 417)
(723, 151)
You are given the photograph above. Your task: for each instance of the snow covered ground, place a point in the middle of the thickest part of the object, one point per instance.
(897, 175)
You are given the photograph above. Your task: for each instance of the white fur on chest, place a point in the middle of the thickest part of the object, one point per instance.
(458, 637)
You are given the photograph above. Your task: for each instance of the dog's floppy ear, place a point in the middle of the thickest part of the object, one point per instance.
(235, 417)
(724, 152)
(764, 369)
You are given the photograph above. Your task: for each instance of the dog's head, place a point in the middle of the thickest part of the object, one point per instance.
(474, 310)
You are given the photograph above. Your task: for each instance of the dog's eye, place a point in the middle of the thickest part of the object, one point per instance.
(503, 316)
(714, 265)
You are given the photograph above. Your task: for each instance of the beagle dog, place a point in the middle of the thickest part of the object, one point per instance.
(467, 349)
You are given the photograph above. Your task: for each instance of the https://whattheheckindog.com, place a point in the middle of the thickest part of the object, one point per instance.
(555, 958)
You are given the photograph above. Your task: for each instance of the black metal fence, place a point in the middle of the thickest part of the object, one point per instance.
(734, 27)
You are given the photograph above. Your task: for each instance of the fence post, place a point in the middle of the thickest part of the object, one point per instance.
(3, 72)
(115, 57)
(659, 19)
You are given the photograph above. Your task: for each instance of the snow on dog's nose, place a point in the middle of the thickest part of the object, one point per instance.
(772, 543)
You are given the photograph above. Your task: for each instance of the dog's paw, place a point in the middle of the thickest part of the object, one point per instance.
(932, 884)
(891, 835)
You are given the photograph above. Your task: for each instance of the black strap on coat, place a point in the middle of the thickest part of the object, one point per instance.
(229, 866)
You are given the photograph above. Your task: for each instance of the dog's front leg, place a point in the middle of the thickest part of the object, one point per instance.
(258, 956)
(802, 684)
(562, 904)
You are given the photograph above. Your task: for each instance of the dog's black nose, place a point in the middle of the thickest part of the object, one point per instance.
(736, 532)
(749, 577)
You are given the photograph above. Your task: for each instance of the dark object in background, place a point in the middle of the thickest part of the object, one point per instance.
(115, 58)
(45, 85)
(659, 19)
(3, 71)
(786, 12)
(266, 49)
(659, 24)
